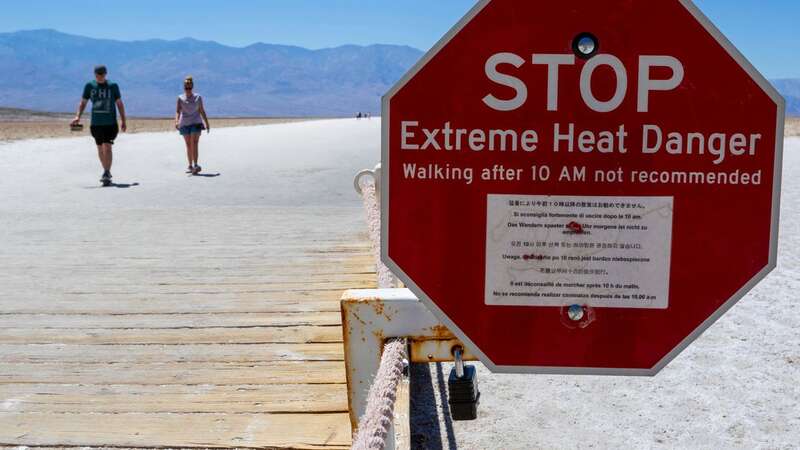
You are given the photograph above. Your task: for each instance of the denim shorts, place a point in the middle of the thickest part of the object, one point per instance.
(192, 129)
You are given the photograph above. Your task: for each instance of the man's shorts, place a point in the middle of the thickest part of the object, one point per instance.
(192, 129)
(104, 134)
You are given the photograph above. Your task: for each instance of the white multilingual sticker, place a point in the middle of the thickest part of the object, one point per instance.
(611, 252)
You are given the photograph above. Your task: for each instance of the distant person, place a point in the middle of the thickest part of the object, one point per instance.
(358, 116)
(105, 98)
(191, 120)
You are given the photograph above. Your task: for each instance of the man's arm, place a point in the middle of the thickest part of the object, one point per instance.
(124, 123)
(87, 90)
(81, 108)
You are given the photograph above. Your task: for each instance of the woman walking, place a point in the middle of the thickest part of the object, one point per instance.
(190, 117)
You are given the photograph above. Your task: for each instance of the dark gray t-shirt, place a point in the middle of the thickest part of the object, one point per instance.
(104, 102)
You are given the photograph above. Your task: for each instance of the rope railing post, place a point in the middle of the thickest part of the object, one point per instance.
(377, 422)
(370, 192)
(370, 319)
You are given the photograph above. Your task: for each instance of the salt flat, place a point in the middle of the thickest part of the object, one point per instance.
(296, 164)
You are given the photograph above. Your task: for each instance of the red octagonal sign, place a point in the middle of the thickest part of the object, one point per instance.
(581, 187)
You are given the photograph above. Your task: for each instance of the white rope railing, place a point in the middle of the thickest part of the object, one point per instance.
(369, 194)
(376, 423)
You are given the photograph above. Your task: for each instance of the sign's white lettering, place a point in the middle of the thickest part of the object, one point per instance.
(553, 62)
(572, 139)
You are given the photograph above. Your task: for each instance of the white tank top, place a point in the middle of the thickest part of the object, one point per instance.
(190, 110)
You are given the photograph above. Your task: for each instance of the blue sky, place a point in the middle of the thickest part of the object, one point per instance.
(765, 31)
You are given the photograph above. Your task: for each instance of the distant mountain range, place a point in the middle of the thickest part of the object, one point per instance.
(45, 70)
(791, 92)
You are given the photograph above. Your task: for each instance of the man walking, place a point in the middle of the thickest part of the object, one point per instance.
(106, 98)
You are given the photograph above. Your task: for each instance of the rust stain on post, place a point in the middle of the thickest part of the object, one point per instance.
(441, 332)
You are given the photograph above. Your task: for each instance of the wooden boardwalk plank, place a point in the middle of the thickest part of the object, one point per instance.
(292, 334)
(277, 372)
(222, 303)
(233, 399)
(164, 353)
(304, 431)
(79, 321)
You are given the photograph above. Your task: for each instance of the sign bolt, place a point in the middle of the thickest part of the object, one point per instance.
(575, 313)
(585, 45)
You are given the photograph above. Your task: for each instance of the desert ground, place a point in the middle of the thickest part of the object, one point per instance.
(793, 126)
(16, 124)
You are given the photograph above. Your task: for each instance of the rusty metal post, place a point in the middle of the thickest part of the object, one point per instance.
(369, 318)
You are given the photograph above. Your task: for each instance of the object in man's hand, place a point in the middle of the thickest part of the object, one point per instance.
(76, 127)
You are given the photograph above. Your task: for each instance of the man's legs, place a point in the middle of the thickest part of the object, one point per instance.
(109, 155)
(106, 156)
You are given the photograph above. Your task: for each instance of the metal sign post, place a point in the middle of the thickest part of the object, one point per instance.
(370, 317)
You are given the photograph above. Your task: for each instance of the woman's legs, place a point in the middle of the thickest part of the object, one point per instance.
(196, 147)
(188, 139)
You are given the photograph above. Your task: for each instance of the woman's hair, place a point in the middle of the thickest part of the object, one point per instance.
(188, 79)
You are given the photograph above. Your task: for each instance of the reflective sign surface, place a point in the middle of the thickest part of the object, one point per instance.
(581, 187)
